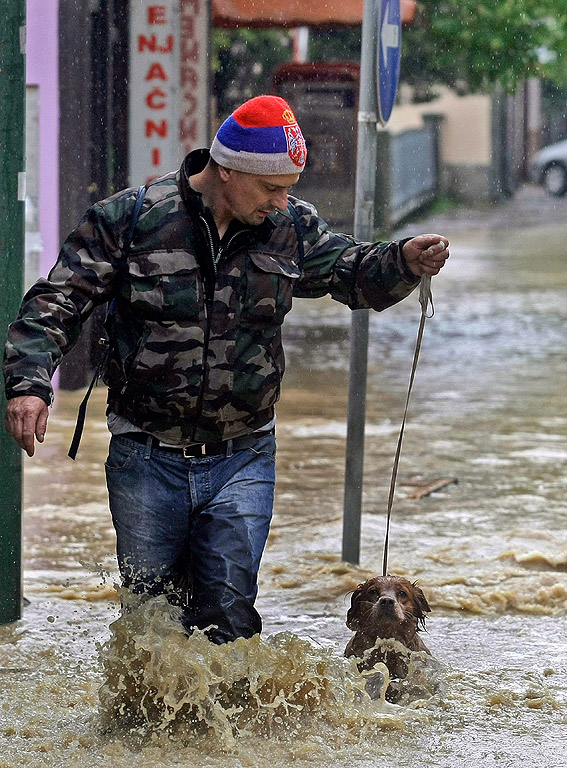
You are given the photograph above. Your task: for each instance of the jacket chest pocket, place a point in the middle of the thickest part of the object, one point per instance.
(269, 288)
(166, 285)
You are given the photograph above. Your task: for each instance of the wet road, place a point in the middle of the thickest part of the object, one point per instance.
(489, 411)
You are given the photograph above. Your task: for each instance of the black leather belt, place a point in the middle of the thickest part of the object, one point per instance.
(200, 449)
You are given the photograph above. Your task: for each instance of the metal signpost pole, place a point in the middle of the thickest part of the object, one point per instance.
(363, 228)
(379, 69)
(12, 195)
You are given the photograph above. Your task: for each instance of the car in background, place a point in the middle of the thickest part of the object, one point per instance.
(549, 168)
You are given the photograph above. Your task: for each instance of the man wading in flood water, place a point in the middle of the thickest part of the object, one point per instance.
(195, 358)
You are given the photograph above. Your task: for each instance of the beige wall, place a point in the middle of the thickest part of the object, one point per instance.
(466, 130)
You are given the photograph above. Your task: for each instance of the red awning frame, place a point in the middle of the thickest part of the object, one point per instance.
(232, 14)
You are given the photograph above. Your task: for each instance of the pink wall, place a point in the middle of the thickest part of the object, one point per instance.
(42, 70)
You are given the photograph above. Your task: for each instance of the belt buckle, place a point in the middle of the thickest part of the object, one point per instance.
(189, 451)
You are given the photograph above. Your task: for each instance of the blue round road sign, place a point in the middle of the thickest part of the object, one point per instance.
(388, 56)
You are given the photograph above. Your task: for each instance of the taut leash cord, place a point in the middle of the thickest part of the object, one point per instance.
(425, 299)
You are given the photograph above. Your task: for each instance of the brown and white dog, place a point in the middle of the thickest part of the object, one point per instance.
(386, 607)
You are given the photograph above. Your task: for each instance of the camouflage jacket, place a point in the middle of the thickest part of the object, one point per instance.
(195, 351)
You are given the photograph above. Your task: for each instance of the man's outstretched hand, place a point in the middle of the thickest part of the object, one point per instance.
(426, 254)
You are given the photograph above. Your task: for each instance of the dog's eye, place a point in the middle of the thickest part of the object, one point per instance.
(373, 592)
(402, 594)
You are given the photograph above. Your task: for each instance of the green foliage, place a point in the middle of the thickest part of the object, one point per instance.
(470, 45)
(473, 44)
(341, 44)
(244, 61)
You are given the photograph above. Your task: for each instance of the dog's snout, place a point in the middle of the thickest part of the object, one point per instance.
(386, 600)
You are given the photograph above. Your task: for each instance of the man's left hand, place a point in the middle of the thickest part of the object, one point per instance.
(426, 254)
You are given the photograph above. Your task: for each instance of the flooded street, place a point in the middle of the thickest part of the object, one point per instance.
(488, 415)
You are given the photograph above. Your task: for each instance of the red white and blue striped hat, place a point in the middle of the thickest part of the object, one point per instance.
(261, 136)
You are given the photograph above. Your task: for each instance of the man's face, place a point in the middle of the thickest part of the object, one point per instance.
(251, 197)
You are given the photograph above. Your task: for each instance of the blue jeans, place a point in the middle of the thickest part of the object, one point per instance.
(194, 529)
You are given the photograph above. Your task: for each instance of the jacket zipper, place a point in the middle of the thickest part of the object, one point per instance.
(215, 258)
(236, 234)
(208, 303)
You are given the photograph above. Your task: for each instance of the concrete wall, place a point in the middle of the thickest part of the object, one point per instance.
(470, 146)
(466, 145)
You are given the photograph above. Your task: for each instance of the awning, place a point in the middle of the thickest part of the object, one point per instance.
(294, 13)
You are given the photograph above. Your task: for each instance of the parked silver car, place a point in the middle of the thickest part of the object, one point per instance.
(549, 168)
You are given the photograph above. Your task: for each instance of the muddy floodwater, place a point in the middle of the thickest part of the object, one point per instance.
(81, 687)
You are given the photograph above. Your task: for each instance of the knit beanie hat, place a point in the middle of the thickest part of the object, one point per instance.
(261, 136)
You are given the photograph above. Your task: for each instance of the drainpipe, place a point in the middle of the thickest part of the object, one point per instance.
(12, 195)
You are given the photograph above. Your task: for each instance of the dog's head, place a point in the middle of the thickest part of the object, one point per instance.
(387, 601)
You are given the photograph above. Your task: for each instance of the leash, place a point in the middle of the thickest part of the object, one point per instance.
(425, 299)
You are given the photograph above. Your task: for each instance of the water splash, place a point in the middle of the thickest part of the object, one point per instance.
(159, 680)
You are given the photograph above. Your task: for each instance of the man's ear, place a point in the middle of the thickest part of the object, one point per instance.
(224, 173)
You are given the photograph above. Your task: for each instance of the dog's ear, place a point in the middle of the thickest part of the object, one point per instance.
(353, 614)
(421, 604)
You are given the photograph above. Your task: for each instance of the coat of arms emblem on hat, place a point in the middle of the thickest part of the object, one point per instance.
(296, 148)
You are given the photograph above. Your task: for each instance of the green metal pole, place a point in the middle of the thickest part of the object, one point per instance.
(12, 195)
